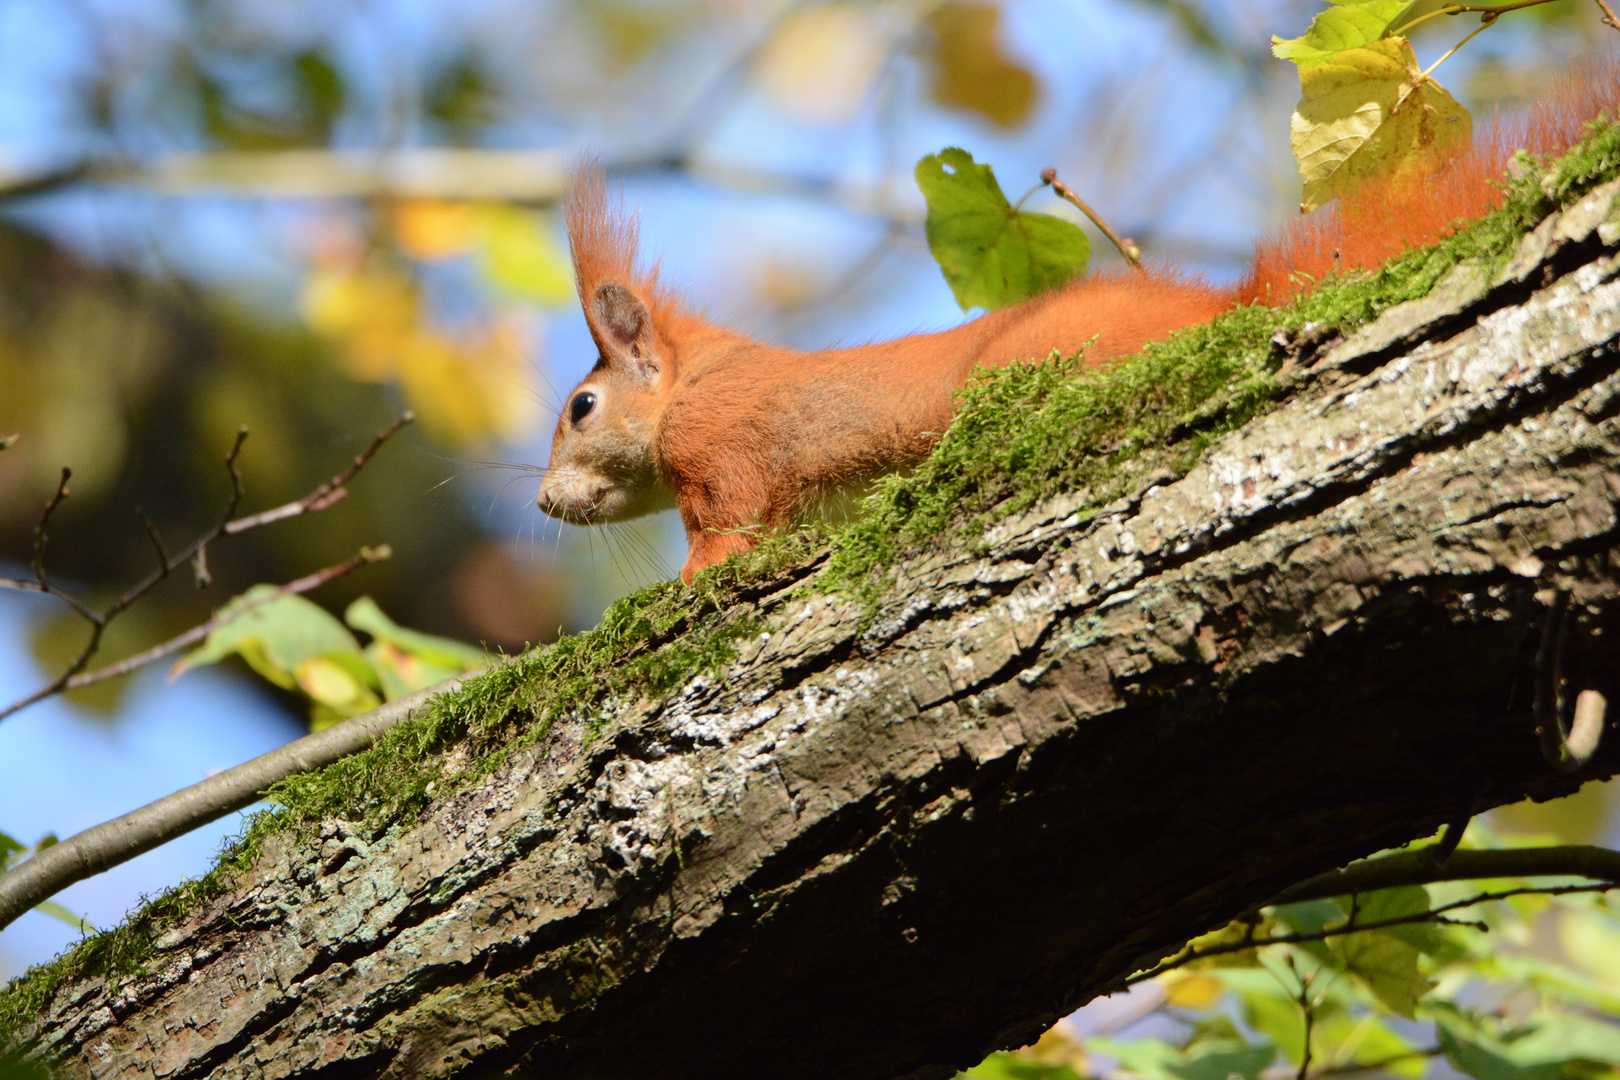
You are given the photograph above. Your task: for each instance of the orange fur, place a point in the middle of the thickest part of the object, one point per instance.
(742, 435)
(1380, 221)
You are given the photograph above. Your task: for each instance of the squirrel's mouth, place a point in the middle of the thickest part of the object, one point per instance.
(575, 511)
(576, 498)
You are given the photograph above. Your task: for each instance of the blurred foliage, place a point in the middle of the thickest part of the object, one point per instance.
(972, 71)
(1582, 818)
(1521, 988)
(141, 386)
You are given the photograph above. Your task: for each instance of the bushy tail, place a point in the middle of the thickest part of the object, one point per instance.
(1380, 221)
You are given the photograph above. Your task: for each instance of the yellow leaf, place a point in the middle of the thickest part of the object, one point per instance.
(468, 394)
(521, 255)
(1368, 113)
(332, 301)
(821, 61)
(371, 312)
(330, 684)
(972, 72)
(433, 229)
(1188, 990)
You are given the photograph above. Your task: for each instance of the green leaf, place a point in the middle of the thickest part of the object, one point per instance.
(1309, 916)
(274, 634)
(1221, 1060)
(58, 911)
(1485, 1059)
(9, 846)
(1368, 113)
(8, 441)
(1387, 966)
(1414, 11)
(1215, 1059)
(1149, 1057)
(1562, 1037)
(1268, 1008)
(1370, 1041)
(401, 673)
(1553, 981)
(364, 614)
(1385, 904)
(1341, 27)
(991, 254)
(1005, 1066)
(339, 682)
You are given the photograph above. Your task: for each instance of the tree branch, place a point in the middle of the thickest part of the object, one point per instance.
(322, 497)
(1351, 926)
(101, 848)
(1417, 867)
(307, 583)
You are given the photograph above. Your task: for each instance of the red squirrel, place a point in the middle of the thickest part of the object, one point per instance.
(741, 435)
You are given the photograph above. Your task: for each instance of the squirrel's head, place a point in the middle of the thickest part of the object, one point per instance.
(603, 465)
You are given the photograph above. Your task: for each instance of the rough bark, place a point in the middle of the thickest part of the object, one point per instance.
(882, 849)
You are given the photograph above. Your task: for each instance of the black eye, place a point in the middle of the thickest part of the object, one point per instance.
(581, 407)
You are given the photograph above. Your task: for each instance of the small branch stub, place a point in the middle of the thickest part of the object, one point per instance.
(1127, 247)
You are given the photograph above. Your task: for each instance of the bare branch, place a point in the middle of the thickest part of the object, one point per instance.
(1434, 915)
(329, 493)
(1127, 248)
(1417, 867)
(153, 535)
(100, 848)
(40, 537)
(305, 584)
(196, 552)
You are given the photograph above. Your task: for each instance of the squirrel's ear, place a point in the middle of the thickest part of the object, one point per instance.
(624, 331)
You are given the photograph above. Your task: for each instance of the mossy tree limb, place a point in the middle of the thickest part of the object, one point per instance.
(881, 847)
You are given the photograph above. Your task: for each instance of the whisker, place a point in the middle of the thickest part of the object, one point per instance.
(647, 553)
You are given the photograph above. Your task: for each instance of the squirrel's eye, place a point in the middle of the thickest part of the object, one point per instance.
(581, 407)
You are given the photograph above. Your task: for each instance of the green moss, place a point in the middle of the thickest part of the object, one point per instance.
(1021, 435)
(1033, 430)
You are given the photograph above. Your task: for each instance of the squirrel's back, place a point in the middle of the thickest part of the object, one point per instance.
(1376, 223)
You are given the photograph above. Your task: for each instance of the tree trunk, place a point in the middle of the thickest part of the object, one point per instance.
(884, 848)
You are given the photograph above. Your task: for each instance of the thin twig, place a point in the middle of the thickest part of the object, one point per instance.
(197, 551)
(1434, 915)
(307, 583)
(1305, 1006)
(117, 841)
(1608, 16)
(1127, 248)
(153, 535)
(40, 536)
(329, 493)
(1490, 11)
(1485, 22)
